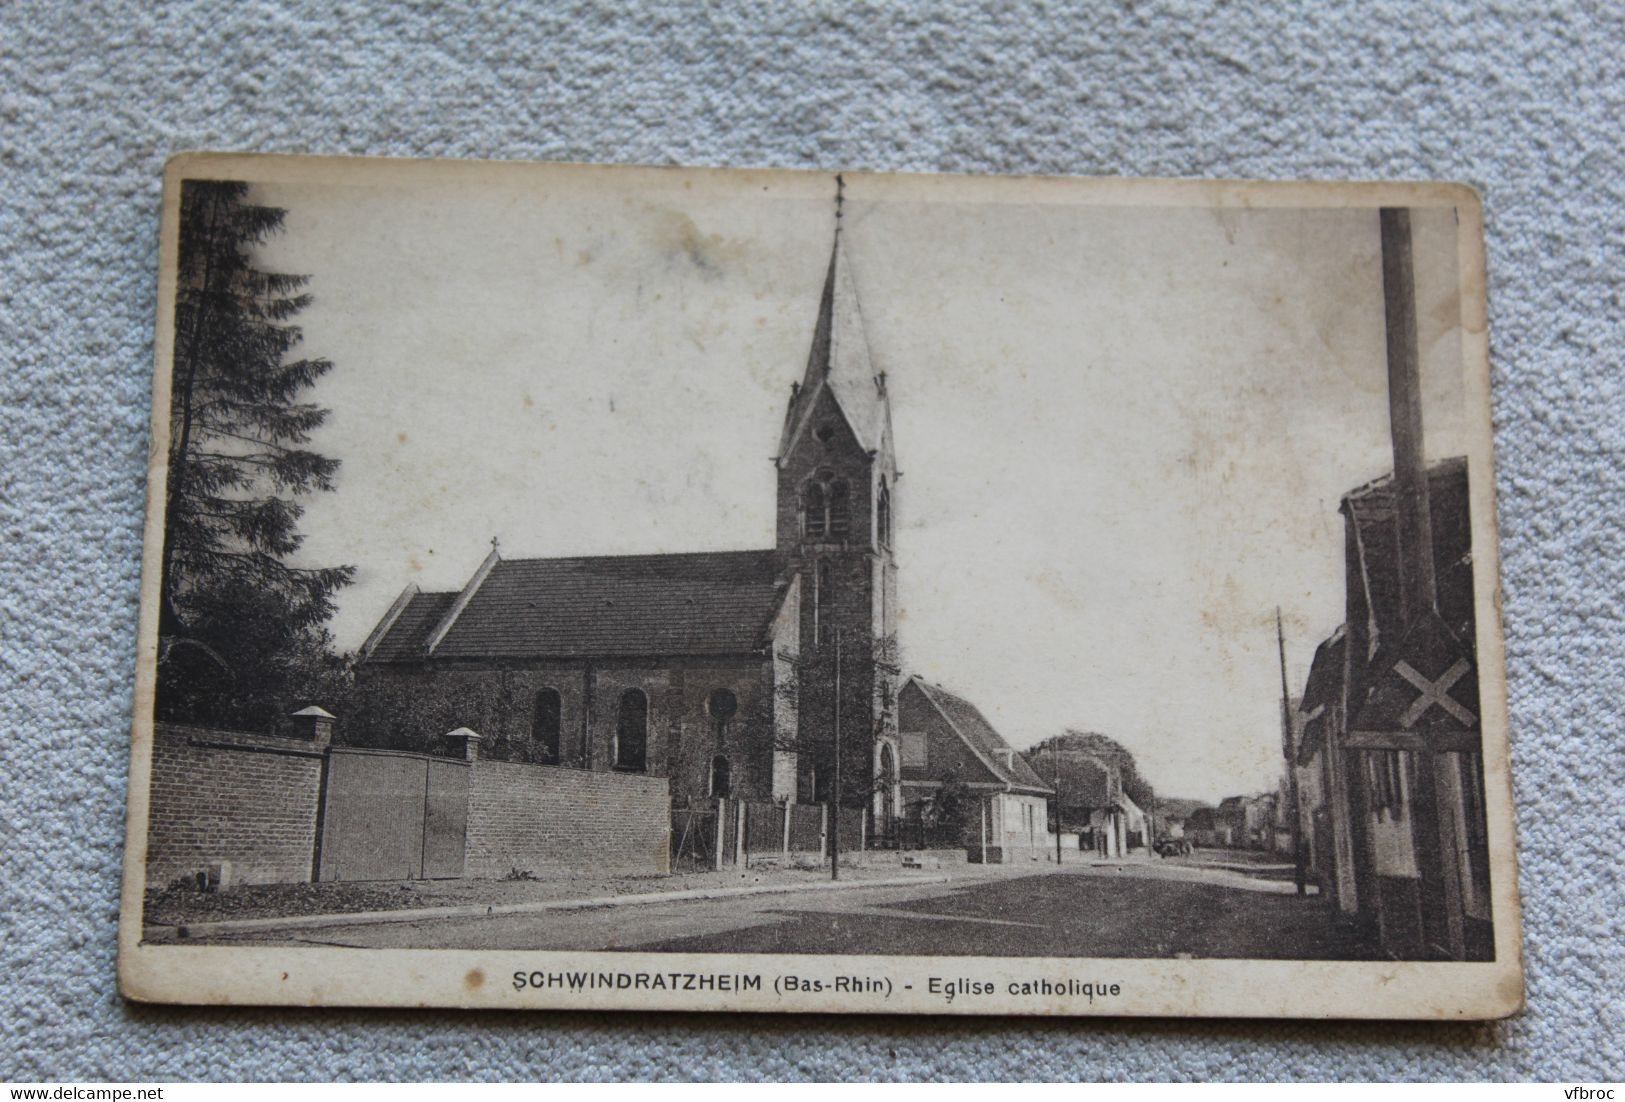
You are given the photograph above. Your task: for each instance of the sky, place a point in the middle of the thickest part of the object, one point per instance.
(1123, 430)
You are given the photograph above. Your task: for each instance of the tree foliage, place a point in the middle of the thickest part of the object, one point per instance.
(806, 690)
(1077, 778)
(240, 628)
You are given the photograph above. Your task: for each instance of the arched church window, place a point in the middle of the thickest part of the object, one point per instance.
(814, 511)
(545, 724)
(840, 512)
(632, 732)
(883, 515)
(721, 783)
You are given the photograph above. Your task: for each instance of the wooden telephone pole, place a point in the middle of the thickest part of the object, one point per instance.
(835, 786)
(1055, 761)
(1289, 753)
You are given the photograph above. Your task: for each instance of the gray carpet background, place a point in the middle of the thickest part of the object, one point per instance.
(1524, 103)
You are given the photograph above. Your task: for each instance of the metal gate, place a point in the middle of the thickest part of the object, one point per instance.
(393, 816)
(694, 838)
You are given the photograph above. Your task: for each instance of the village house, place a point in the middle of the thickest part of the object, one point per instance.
(947, 741)
(1202, 828)
(1116, 825)
(1396, 816)
(1231, 822)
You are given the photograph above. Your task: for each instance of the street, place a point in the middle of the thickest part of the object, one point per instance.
(1140, 909)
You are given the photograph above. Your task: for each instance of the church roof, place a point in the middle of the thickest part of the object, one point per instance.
(707, 603)
(405, 637)
(839, 361)
(972, 726)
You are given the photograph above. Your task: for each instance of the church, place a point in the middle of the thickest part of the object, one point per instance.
(757, 674)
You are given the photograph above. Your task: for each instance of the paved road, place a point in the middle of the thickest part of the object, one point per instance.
(1138, 911)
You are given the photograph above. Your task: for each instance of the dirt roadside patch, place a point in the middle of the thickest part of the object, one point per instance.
(180, 907)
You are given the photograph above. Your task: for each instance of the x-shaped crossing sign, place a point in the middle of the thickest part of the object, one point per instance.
(1435, 692)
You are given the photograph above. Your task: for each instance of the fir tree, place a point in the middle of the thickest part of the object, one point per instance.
(240, 628)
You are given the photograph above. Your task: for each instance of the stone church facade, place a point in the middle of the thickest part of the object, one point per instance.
(729, 673)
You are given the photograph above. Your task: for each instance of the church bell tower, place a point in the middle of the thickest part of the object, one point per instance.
(837, 507)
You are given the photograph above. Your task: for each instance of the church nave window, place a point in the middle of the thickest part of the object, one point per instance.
(545, 724)
(722, 704)
(632, 732)
(721, 780)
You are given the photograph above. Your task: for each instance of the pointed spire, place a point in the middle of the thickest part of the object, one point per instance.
(839, 357)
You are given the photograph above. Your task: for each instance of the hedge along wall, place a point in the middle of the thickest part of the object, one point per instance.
(221, 796)
(544, 819)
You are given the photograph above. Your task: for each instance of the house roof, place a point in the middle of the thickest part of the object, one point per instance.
(972, 726)
(707, 603)
(1375, 567)
(1321, 692)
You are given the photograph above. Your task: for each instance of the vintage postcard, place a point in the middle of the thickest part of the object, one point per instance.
(652, 588)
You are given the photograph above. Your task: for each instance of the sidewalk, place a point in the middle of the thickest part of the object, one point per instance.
(184, 914)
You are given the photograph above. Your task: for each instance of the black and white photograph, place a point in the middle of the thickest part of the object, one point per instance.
(764, 590)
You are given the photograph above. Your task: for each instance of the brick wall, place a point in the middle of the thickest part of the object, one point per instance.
(227, 796)
(546, 820)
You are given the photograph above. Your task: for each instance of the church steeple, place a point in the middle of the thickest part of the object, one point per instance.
(837, 506)
(839, 361)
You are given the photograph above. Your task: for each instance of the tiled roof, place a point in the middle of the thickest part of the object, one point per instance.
(1372, 508)
(707, 603)
(406, 636)
(974, 728)
(1321, 692)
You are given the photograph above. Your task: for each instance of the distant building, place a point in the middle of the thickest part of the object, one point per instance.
(1231, 822)
(1116, 825)
(1202, 828)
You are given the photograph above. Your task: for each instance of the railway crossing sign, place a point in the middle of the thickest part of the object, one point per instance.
(1424, 693)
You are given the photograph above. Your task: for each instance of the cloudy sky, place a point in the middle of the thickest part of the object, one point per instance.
(1124, 430)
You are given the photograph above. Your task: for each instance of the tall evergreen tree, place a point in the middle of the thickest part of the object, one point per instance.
(240, 628)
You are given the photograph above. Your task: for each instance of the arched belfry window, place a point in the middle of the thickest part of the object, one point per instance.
(545, 724)
(840, 511)
(721, 782)
(826, 508)
(815, 512)
(632, 732)
(883, 514)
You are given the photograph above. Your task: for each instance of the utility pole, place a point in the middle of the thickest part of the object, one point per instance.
(835, 787)
(1413, 513)
(1055, 762)
(1288, 752)
(1435, 799)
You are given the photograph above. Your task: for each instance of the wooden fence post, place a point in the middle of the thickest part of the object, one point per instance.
(722, 817)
